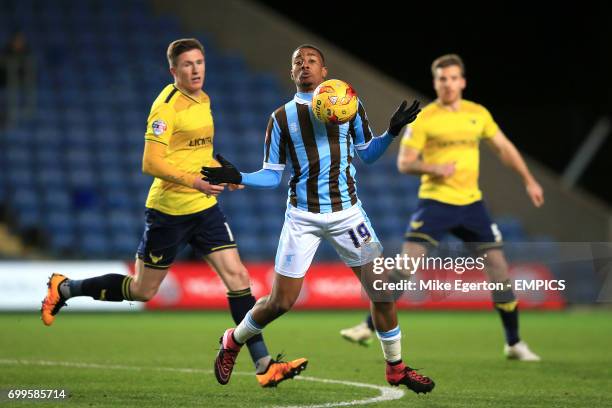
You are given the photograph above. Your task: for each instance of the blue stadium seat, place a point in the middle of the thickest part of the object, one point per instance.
(90, 222)
(16, 136)
(47, 159)
(59, 221)
(117, 198)
(132, 159)
(17, 155)
(57, 200)
(137, 180)
(24, 197)
(62, 241)
(266, 83)
(48, 137)
(76, 137)
(124, 246)
(106, 149)
(85, 178)
(78, 160)
(28, 217)
(94, 245)
(19, 176)
(111, 179)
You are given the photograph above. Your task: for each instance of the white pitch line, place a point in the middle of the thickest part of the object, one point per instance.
(386, 393)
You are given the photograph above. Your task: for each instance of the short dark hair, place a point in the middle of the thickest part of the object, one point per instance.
(314, 48)
(447, 60)
(178, 47)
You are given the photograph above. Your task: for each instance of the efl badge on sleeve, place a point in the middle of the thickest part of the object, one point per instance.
(159, 127)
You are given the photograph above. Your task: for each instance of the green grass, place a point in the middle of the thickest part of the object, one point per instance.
(461, 351)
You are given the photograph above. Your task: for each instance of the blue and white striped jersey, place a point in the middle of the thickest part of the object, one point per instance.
(320, 156)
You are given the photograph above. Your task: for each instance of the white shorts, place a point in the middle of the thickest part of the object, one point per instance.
(349, 231)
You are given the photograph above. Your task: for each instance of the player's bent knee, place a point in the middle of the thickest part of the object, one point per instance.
(237, 277)
(279, 307)
(240, 273)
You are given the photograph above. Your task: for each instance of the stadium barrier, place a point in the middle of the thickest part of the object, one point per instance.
(23, 285)
(194, 285)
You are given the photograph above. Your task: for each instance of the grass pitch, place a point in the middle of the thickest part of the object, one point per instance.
(140, 360)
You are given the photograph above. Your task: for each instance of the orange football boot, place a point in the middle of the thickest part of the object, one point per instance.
(279, 371)
(54, 300)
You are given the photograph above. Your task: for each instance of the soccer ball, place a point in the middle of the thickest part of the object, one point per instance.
(334, 102)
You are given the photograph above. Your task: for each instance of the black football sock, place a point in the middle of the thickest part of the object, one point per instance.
(507, 307)
(370, 322)
(240, 302)
(111, 288)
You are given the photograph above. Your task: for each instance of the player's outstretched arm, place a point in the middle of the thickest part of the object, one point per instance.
(154, 164)
(228, 173)
(510, 156)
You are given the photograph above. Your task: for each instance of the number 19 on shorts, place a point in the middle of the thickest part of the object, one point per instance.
(361, 231)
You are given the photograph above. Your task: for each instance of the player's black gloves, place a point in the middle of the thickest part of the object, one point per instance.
(402, 117)
(227, 173)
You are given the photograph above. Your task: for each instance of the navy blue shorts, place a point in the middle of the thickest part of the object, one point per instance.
(165, 235)
(471, 223)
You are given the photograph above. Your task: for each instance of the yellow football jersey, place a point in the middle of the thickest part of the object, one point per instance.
(185, 126)
(445, 136)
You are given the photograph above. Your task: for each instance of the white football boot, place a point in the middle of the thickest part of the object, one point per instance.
(360, 334)
(520, 351)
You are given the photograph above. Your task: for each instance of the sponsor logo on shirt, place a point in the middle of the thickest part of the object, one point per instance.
(201, 141)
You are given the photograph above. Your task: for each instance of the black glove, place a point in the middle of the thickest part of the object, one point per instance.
(403, 117)
(227, 173)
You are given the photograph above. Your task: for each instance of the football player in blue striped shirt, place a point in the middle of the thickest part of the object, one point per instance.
(322, 204)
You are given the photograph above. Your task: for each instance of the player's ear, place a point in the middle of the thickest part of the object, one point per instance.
(173, 71)
(324, 72)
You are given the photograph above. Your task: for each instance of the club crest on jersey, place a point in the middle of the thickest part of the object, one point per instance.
(159, 127)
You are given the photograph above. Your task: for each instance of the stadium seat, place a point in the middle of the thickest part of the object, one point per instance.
(16, 155)
(59, 219)
(117, 199)
(28, 217)
(19, 176)
(57, 200)
(94, 245)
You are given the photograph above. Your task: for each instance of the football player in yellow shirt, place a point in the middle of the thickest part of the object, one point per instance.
(181, 209)
(442, 146)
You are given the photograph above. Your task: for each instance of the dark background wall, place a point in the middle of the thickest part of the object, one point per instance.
(544, 70)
